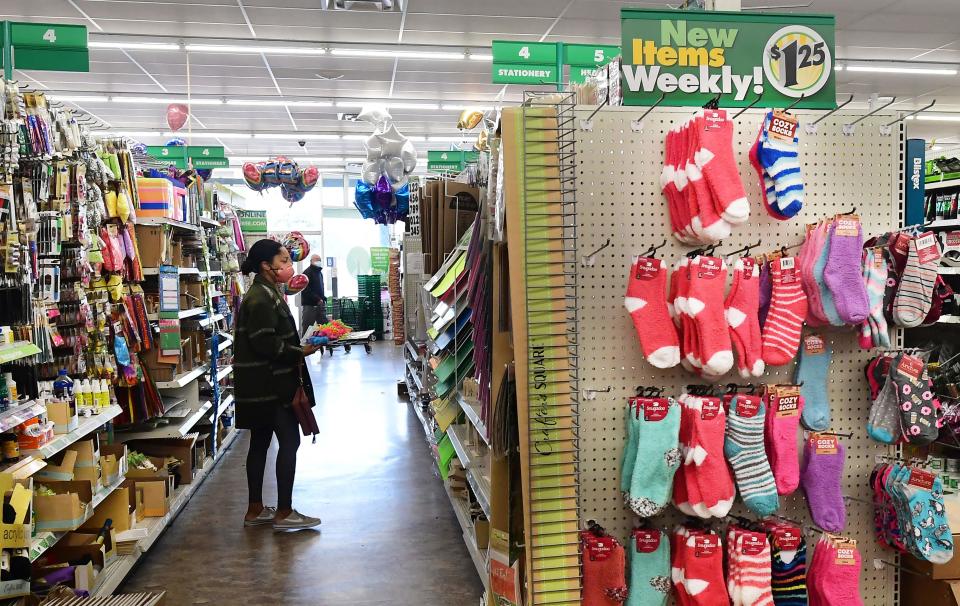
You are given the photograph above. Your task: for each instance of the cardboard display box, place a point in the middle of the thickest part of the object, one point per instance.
(78, 539)
(91, 475)
(153, 244)
(115, 507)
(937, 572)
(159, 371)
(64, 420)
(113, 463)
(180, 448)
(65, 510)
(59, 467)
(85, 576)
(18, 494)
(88, 451)
(149, 498)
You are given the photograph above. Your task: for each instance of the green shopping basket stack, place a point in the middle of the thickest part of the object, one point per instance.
(368, 301)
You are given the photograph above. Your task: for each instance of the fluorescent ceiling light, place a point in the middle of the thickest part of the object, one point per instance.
(128, 133)
(255, 50)
(356, 137)
(355, 160)
(166, 100)
(941, 118)
(390, 104)
(81, 98)
(447, 138)
(295, 136)
(161, 46)
(203, 133)
(393, 54)
(417, 138)
(838, 68)
(459, 107)
(479, 57)
(404, 105)
(279, 103)
(315, 160)
(880, 69)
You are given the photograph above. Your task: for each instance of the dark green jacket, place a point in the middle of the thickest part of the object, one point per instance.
(268, 360)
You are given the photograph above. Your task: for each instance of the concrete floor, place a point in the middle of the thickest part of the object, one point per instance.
(389, 535)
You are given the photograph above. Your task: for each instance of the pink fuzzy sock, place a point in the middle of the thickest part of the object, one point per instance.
(719, 167)
(785, 405)
(713, 226)
(711, 472)
(788, 308)
(742, 310)
(646, 301)
(705, 304)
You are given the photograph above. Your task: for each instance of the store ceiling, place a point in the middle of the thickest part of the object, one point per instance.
(866, 30)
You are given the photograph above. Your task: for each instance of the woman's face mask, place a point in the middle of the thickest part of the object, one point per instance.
(283, 274)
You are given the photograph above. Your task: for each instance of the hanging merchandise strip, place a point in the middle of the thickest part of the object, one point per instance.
(543, 254)
(618, 181)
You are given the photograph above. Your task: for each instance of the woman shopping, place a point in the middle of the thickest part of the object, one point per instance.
(269, 370)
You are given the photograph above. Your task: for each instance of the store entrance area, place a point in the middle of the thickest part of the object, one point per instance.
(388, 535)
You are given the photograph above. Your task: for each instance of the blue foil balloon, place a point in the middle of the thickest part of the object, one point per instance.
(363, 199)
(403, 201)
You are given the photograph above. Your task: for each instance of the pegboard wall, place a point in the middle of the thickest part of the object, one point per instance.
(619, 197)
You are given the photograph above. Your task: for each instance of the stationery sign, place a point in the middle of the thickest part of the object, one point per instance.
(693, 57)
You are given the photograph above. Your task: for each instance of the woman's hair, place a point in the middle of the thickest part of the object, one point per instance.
(262, 250)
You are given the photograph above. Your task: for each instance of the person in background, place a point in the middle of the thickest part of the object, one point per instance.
(313, 302)
(268, 370)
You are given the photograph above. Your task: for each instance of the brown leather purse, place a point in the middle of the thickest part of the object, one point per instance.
(303, 409)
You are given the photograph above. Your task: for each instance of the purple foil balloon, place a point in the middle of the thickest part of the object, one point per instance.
(383, 195)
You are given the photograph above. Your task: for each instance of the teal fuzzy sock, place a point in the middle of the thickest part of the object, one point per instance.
(744, 450)
(826, 297)
(812, 370)
(651, 485)
(630, 450)
(649, 568)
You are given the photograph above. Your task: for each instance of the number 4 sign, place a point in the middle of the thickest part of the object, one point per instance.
(44, 46)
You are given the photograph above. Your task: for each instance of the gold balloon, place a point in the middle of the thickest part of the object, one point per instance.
(469, 119)
(482, 143)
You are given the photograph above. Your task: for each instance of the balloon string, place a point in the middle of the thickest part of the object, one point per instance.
(189, 108)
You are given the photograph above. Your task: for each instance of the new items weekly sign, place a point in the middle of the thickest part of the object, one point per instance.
(694, 56)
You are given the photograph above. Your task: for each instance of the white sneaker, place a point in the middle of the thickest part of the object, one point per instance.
(296, 521)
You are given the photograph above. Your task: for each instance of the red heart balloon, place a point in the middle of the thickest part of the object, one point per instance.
(177, 114)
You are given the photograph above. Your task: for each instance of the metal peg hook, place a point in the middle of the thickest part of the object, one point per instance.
(755, 101)
(794, 104)
(589, 260)
(879, 564)
(637, 125)
(832, 111)
(913, 113)
(588, 123)
(848, 128)
(591, 394)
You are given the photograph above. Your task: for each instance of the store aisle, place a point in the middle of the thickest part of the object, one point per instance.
(389, 535)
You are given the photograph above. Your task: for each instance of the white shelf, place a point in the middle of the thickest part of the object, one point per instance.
(424, 422)
(204, 322)
(182, 380)
(87, 425)
(215, 274)
(183, 271)
(165, 221)
(15, 416)
(227, 401)
(226, 340)
(473, 415)
(17, 350)
(949, 320)
(193, 419)
(111, 578)
(944, 223)
(479, 556)
(184, 313)
(943, 270)
(206, 222)
(941, 184)
(472, 461)
(225, 372)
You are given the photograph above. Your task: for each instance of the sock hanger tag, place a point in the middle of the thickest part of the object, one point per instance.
(655, 409)
(824, 444)
(648, 539)
(648, 268)
(749, 264)
(705, 545)
(911, 366)
(814, 345)
(788, 270)
(847, 225)
(786, 400)
(783, 127)
(846, 554)
(709, 267)
(709, 408)
(927, 249)
(921, 478)
(787, 538)
(713, 119)
(753, 543)
(748, 406)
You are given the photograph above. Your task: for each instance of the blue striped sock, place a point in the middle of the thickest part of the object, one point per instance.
(781, 161)
(745, 452)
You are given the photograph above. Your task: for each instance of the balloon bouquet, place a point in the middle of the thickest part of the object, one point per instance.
(299, 250)
(382, 193)
(282, 172)
(177, 116)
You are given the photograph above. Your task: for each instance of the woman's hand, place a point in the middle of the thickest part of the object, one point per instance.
(309, 349)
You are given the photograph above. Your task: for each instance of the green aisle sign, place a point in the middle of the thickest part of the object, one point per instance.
(444, 161)
(589, 54)
(212, 156)
(167, 152)
(694, 56)
(525, 62)
(252, 221)
(44, 46)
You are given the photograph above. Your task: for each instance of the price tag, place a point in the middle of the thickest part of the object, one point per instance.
(846, 555)
(928, 249)
(749, 264)
(714, 119)
(911, 366)
(655, 409)
(648, 268)
(902, 244)
(814, 345)
(921, 478)
(647, 540)
(709, 267)
(787, 539)
(753, 544)
(953, 239)
(788, 270)
(783, 127)
(824, 444)
(787, 405)
(748, 406)
(878, 261)
(847, 225)
(706, 545)
(600, 548)
(709, 408)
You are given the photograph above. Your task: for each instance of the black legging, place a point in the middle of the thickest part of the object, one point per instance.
(287, 428)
